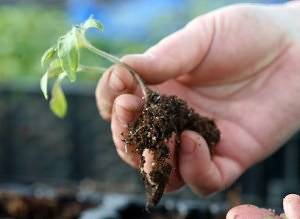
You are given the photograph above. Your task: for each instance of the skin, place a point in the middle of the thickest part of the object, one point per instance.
(291, 206)
(239, 65)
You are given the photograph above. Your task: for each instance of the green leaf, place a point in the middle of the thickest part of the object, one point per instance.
(74, 59)
(44, 85)
(68, 53)
(48, 56)
(54, 68)
(63, 60)
(92, 23)
(58, 102)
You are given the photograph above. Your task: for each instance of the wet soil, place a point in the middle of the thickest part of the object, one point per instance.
(164, 118)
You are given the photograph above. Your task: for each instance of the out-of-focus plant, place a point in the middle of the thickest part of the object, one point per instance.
(63, 60)
(24, 33)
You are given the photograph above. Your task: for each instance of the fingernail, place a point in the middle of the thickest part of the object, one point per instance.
(115, 82)
(291, 202)
(188, 146)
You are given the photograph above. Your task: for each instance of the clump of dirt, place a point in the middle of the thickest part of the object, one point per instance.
(24, 207)
(162, 118)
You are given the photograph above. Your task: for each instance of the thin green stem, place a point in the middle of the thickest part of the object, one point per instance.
(92, 69)
(116, 60)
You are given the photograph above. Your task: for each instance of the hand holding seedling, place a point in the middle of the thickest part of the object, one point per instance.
(162, 118)
(239, 65)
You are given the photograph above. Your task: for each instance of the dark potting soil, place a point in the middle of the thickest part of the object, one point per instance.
(162, 118)
(27, 207)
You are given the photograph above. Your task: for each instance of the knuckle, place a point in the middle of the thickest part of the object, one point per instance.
(105, 109)
(125, 77)
(206, 190)
(98, 91)
(105, 115)
(101, 86)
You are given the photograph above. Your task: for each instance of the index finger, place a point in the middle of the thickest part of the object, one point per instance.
(176, 54)
(114, 82)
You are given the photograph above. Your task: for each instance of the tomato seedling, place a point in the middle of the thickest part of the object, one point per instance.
(162, 117)
(63, 61)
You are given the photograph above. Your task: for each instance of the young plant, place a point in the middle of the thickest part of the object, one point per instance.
(162, 119)
(63, 61)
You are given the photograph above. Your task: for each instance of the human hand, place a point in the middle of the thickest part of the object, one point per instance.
(291, 206)
(239, 65)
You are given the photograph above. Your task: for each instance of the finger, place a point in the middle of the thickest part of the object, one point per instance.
(291, 205)
(176, 54)
(195, 164)
(250, 212)
(126, 108)
(175, 182)
(115, 81)
(203, 173)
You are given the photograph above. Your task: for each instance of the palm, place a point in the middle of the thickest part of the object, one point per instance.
(242, 88)
(237, 65)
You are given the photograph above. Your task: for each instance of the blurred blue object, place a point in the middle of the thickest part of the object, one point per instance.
(131, 19)
(138, 19)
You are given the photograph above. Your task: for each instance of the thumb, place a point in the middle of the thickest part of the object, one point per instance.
(204, 173)
(176, 54)
(291, 205)
(196, 166)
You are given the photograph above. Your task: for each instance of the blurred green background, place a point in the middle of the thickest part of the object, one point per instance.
(36, 146)
(27, 28)
(27, 31)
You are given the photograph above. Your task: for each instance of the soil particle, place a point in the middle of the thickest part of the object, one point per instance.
(161, 118)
